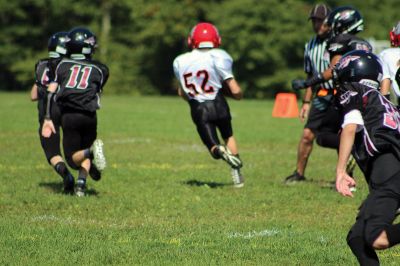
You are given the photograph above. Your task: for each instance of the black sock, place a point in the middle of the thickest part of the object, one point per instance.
(365, 255)
(62, 169)
(393, 234)
(87, 154)
(215, 153)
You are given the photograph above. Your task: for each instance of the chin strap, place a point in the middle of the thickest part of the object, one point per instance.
(48, 105)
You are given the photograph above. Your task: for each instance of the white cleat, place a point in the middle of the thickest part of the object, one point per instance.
(227, 156)
(237, 177)
(99, 160)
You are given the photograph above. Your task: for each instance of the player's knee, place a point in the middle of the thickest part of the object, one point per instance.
(308, 136)
(381, 242)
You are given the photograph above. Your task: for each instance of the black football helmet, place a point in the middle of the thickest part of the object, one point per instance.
(345, 19)
(81, 41)
(56, 44)
(358, 66)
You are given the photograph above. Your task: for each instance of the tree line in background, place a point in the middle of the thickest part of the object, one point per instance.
(139, 39)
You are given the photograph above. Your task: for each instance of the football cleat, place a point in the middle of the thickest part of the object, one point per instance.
(227, 156)
(80, 188)
(294, 178)
(237, 177)
(69, 183)
(94, 173)
(99, 160)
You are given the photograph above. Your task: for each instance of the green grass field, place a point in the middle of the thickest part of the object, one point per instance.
(164, 201)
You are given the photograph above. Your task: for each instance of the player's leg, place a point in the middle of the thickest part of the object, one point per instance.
(51, 148)
(304, 149)
(225, 127)
(305, 146)
(365, 254)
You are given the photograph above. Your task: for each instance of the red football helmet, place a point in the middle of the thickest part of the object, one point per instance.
(204, 35)
(395, 36)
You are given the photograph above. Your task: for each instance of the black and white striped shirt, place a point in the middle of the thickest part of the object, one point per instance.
(317, 59)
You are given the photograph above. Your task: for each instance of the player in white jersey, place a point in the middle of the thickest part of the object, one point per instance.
(205, 74)
(390, 64)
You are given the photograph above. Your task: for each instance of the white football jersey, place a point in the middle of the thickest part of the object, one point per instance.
(202, 72)
(390, 64)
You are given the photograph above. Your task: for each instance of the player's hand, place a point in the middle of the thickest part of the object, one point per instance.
(304, 111)
(298, 84)
(48, 128)
(345, 184)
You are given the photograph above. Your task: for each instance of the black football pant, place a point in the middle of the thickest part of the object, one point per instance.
(209, 116)
(376, 214)
(79, 133)
(51, 145)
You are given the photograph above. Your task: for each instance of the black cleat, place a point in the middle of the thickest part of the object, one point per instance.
(69, 183)
(94, 173)
(294, 178)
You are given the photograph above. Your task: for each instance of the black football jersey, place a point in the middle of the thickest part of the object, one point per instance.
(344, 43)
(381, 130)
(80, 84)
(42, 80)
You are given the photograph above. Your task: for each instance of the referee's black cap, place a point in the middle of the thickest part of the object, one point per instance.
(320, 11)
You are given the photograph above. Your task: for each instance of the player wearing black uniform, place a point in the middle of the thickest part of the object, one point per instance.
(51, 146)
(80, 81)
(344, 22)
(371, 131)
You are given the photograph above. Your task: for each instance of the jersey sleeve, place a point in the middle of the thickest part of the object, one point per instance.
(176, 68)
(223, 64)
(106, 74)
(385, 66)
(307, 61)
(37, 78)
(52, 66)
(353, 117)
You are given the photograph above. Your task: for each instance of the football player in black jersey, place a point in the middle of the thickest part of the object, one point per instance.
(371, 131)
(51, 146)
(345, 22)
(80, 81)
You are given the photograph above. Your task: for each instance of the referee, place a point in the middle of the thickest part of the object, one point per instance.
(321, 111)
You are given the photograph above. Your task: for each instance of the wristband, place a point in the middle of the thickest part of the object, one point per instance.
(306, 102)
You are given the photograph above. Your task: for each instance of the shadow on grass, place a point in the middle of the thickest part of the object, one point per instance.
(57, 187)
(198, 183)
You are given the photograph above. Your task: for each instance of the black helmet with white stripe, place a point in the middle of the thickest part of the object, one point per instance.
(345, 19)
(56, 45)
(81, 41)
(358, 66)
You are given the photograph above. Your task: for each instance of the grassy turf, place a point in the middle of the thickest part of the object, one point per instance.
(164, 201)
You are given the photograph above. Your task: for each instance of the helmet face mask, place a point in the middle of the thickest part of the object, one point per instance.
(204, 35)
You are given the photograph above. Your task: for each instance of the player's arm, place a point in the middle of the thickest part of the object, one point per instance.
(34, 93)
(385, 87)
(343, 181)
(234, 89)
